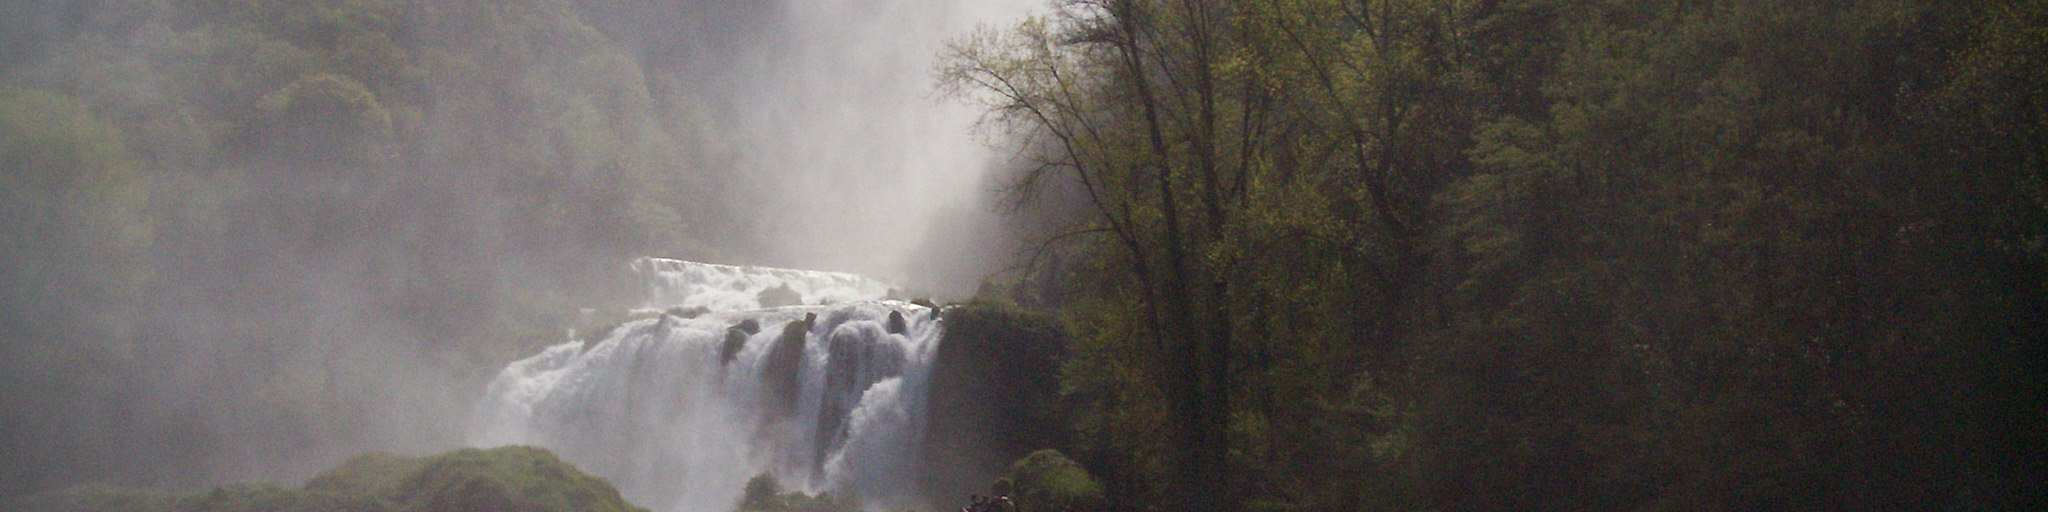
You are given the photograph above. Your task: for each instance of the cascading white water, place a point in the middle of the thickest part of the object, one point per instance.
(680, 412)
(688, 284)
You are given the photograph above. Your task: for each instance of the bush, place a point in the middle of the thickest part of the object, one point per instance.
(509, 479)
(1048, 480)
(764, 494)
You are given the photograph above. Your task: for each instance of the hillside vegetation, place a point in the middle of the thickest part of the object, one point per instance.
(508, 479)
(1539, 254)
(309, 223)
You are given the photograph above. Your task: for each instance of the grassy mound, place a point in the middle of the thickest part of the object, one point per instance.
(508, 479)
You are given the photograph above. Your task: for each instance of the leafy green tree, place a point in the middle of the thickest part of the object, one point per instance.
(1540, 254)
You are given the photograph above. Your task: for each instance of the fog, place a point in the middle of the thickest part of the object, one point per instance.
(838, 112)
(243, 241)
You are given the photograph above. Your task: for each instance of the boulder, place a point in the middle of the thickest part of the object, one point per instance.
(736, 339)
(780, 372)
(928, 304)
(896, 323)
(749, 326)
(993, 398)
(779, 296)
(728, 350)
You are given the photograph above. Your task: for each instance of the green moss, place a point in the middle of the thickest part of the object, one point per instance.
(994, 395)
(273, 498)
(1048, 480)
(373, 474)
(513, 478)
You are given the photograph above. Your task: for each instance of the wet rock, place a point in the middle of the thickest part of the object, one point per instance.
(991, 399)
(736, 339)
(692, 312)
(750, 326)
(896, 323)
(779, 296)
(779, 372)
(929, 305)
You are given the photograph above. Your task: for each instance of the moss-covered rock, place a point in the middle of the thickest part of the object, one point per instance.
(508, 479)
(371, 474)
(994, 395)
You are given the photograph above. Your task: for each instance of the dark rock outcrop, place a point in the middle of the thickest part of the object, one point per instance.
(736, 339)
(779, 296)
(896, 323)
(994, 395)
(780, 371)
(749, 326)
(692, 312)
(928, 304)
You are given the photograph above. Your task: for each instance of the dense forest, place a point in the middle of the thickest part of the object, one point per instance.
(289, 227)
(1276, 255)
(1538, 254)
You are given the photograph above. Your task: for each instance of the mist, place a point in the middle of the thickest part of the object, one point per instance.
(245, 241)
(840, 120)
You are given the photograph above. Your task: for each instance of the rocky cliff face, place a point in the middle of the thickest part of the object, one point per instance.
(994, 396)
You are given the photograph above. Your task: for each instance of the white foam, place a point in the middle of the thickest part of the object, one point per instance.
(654, 409)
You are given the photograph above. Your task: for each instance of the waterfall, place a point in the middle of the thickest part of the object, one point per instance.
(680, 409)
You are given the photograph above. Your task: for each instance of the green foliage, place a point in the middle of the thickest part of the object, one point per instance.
(271, 498)
(96, 498)
(761, 494)
(324, 118)
(1542, 254)
(74, 235)
(506, 479)
(370, 474)
(247, 156)
(1046, 480)
(764, 494)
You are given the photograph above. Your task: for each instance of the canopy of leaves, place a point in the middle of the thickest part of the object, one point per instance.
(1540, 254)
